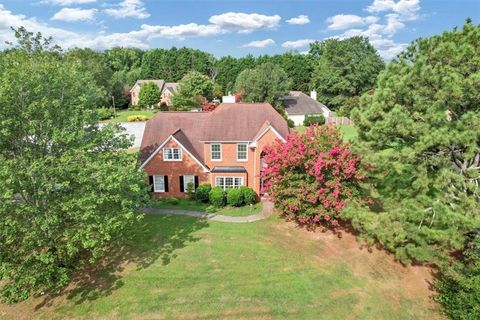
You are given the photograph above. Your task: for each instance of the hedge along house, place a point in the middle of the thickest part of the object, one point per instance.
(298, 105)
(222, 147)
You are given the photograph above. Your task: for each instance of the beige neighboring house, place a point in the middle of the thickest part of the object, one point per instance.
(298, 105)
(167, 89)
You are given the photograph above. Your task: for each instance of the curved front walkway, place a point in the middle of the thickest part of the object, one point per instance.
(266, 211)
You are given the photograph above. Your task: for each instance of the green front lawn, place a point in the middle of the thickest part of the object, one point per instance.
(178, 267)
(187, 204)
(348, 131)
(123, 115)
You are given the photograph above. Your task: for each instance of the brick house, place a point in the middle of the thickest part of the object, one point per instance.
(222, 147)
(167, 89)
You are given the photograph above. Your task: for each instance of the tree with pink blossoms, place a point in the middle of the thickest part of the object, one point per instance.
(313, 175)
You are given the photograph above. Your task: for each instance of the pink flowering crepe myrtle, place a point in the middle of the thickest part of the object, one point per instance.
(312, 175)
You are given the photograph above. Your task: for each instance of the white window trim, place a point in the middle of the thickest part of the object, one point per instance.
(185, 183)
(221, 155)
(154, 153)
(233, 177)
(155, 185)
(179, 150)
(246, 152)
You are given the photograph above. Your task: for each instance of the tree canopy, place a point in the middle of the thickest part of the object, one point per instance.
(194, 88)
(149, 94)
(265, 83)
(420, 127)
(68, 189)
(343, 70)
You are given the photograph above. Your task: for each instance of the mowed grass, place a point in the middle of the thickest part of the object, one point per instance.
(188, 204)
(348, 131)
(122, 115)
(178, 267)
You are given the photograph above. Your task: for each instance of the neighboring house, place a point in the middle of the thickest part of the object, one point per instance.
(298, 105)
(222, 147)
(167, 89)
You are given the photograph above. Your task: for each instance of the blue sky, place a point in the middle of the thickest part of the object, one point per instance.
(234, 27)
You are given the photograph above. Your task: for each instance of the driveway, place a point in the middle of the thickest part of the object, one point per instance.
(134, 128)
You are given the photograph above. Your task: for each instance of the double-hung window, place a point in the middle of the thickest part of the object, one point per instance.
(216, 151)
(186, 181)
(242, 154)
(228, 182)
(159, 183)
(172, 154)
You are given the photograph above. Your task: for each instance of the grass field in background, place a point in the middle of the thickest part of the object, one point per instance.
(123, 115)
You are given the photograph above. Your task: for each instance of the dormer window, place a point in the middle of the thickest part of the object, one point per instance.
(172, 154)
(216, 152)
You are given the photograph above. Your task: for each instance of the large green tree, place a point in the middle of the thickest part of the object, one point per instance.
(69, 190)
(149, 94)
(420, 127)
(194, 89)
(266, 83)
(344, 70)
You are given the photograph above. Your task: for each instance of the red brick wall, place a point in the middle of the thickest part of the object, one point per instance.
(188, 166)
(174, 169)
(229, 158)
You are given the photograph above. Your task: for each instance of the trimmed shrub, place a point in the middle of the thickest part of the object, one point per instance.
(203, 192)
(135, 107)
(249, 196)
(191, 190)
(105, 113)
(313, 119)
(173, 201)
(235, 197)
(136, 118)
(290, 123)
(217, 197)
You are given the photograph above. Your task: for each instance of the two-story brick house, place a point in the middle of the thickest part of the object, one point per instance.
(222, 147)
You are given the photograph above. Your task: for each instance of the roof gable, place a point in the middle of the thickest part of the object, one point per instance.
(228, 122)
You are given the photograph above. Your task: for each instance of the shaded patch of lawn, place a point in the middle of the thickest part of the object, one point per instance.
(179, 267)
(178, 203)
(122, 116)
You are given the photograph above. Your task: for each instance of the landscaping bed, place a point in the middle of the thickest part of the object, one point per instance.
(192, 205)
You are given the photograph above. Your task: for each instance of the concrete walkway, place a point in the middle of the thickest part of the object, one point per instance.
(266, 211)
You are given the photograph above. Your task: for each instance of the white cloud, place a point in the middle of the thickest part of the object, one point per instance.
(345, 21)
(75, 14)
(297, 43)
(260, 43)
(301, 19)
(407, 9)
(379, 30)
(68, 2)
(129, 9)
(137, 38)
(244, 22)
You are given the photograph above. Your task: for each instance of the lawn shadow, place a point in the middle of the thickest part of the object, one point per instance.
(153, 238)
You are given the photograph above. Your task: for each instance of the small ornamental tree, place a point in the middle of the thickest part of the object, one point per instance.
(149, 94)
(313, 175)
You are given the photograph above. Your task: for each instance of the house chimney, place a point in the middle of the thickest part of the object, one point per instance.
(229, 98)
(313, 94)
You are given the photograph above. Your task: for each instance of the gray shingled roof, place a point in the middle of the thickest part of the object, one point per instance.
(161, 84)
(298, 103)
